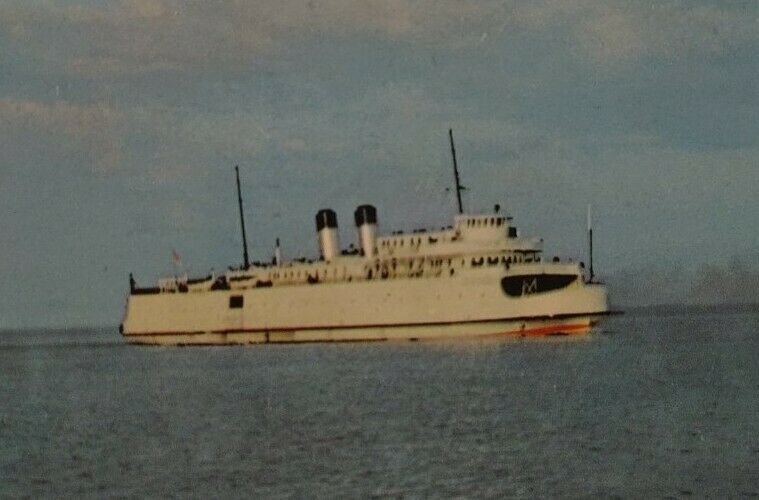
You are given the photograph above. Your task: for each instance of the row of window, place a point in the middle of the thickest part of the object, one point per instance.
(380, 268)
(402, 241)
(492, 221)
(399, 242)
(318, 273)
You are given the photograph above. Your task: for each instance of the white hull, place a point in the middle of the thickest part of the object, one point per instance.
(472, 304)
(561, 326)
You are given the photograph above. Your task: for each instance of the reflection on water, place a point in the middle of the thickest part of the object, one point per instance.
(654, 405)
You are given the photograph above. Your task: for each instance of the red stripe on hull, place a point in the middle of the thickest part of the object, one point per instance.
(552, 330)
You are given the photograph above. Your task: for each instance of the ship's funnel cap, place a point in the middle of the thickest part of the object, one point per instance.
(326, 218)
(365, 214)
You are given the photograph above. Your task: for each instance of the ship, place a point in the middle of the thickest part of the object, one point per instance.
(477, 278)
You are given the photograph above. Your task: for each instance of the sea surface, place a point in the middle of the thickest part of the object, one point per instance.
(659, 404)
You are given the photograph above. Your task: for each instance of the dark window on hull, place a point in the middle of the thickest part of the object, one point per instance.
(235, 302)
(529, 284)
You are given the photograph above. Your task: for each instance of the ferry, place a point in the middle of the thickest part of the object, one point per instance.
(477, 278)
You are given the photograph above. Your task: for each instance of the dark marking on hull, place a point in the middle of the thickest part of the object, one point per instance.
(528, 284)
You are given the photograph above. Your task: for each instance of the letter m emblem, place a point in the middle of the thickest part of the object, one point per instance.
(529, 287)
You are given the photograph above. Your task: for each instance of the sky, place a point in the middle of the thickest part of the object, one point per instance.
(121, 123)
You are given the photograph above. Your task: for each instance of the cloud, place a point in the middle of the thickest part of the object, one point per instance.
(654, 283)
(169, 144)
(58, 115)
(138, 36)
(90, 131)
(610, 36)
(670, 283)
(618, 32)
(135, 36)
(735, 283)
(158, 141)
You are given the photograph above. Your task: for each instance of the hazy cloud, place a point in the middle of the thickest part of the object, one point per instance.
(128, 36)
(134, 36)
(94, 130)
(138, 36)
(736, 282)
(620, 32)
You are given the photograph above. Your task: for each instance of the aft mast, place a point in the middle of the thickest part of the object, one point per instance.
(590, 243)
(242, 221)
(459, 187)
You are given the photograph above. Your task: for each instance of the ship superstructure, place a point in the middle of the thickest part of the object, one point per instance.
(477, 277)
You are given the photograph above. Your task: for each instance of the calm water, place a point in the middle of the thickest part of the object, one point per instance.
(658, 405)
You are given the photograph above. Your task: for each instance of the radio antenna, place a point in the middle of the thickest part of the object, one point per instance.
(459, 187)
(242, 220)
(590, 242)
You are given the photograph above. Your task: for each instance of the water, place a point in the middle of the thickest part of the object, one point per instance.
(658, 405)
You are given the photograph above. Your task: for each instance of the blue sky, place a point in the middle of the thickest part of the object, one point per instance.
(121, 122)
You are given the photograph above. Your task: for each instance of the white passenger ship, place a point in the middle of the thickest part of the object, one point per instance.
(476, 278)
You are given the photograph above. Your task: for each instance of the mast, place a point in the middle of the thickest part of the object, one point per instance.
(242, 220)
(459, 187)
(590, 242)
